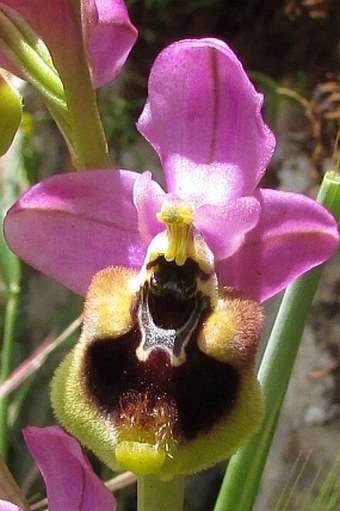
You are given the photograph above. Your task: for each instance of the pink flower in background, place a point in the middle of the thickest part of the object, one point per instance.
(105, 33)
(70, 481)
(108, 37)
(203, 117)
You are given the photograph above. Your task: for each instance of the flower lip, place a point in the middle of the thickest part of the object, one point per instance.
(157, 381)
(150, 414)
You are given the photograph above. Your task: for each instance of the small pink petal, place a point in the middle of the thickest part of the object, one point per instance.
(148, 198)
(108, 36)
(293, 235)
(203, 117)
(70, 482)
(224, 228)
(8, 506)
(71, 226)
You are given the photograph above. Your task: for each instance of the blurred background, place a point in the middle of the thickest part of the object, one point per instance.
(291, 49)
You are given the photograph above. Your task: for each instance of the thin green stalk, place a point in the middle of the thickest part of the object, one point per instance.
(7, 360)
(88, 140)
(243, 476)
(156, 495)
(10, 274)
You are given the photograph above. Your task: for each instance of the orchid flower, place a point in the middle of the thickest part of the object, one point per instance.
(70, 481)
(60, 47)
(162, 380)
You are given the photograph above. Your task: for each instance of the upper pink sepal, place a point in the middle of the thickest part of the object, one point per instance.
(203, 117)
(293, 235)
(70, 481)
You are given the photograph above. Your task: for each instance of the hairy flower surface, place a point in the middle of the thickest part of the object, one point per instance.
(162, 379)
(70, 481)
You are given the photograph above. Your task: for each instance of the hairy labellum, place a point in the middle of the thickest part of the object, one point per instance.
(162, 379)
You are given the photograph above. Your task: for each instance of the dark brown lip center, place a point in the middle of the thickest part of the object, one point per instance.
(193, 396)
(151, 399)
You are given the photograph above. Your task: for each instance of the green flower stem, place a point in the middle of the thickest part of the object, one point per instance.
(244, 472)
(10, 274)
(6, 359)
(88, 137)
(156, 495)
